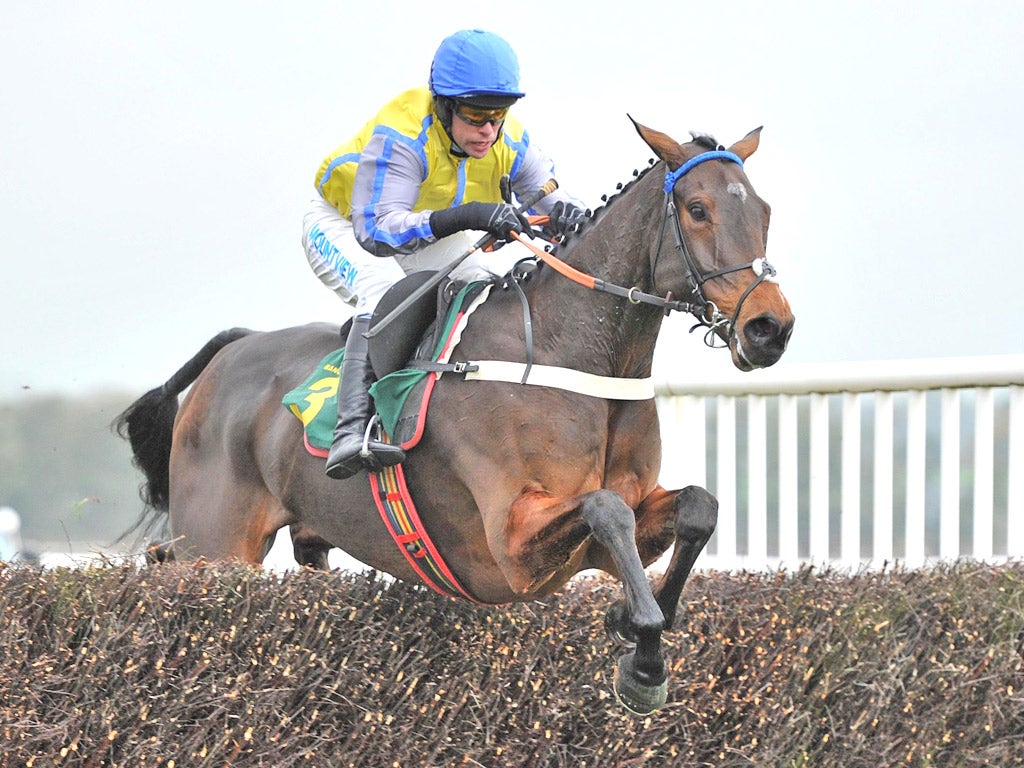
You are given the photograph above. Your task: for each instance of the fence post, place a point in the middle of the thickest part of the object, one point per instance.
(725, 483)
(984, 474)
(882, 519)
(757, 478)
(849, 528)
(949, 467)
(1015, 476)
(789, 498)
(917, 428)
(820, 501)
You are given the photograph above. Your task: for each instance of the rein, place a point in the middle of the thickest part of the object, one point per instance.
(634, 295)
(705, 311)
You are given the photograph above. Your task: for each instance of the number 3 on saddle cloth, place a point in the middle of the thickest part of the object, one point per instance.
(401, 395)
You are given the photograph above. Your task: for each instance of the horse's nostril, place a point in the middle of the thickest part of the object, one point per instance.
(761, 330)
(767, 335)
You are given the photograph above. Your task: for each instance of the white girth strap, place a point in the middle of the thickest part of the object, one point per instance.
(605, 387)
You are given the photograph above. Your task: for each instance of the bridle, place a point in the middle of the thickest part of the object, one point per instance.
(703, 309)
(720, 327)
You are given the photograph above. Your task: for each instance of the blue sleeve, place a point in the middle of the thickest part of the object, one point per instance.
(391, 171)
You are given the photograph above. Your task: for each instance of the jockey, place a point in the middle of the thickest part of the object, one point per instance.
(413, 189)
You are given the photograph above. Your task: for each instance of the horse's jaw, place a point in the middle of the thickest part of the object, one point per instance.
(739, 359)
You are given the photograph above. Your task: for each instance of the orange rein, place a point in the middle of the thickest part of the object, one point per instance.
(587, 281)
(634, 295)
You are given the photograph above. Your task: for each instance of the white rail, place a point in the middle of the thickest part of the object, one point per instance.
(854, 464)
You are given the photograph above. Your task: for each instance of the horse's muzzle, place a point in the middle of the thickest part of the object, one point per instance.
(762, 341)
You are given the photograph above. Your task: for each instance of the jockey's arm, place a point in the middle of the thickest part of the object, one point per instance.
(383, 197)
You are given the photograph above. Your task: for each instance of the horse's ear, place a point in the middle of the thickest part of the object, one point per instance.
(664, 146)
(745, 147)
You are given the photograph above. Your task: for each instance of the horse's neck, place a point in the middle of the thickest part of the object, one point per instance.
(600, 332)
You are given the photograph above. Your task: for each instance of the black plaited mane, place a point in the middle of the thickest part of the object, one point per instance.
(703, 140)
(620, 189)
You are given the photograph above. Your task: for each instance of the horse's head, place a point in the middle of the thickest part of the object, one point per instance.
(718, 228)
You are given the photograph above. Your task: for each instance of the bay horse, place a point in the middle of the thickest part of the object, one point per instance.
(520, 486)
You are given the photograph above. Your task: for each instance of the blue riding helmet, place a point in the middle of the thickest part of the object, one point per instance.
(478, 67)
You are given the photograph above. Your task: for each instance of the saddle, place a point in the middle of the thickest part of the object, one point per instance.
(403, 357)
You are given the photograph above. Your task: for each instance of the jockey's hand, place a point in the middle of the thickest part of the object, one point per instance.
(498, 219)
(564, 218)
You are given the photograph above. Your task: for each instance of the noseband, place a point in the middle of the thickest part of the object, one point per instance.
(704, 310)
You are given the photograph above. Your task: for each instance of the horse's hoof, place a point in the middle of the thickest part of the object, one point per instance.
(618, 626)
(639, 697)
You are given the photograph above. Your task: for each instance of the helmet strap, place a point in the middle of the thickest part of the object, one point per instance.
(444, 108)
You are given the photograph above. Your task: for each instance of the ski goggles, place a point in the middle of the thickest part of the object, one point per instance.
(480, 116)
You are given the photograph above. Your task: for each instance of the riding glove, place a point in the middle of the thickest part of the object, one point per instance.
(564, 218)
(499, 219)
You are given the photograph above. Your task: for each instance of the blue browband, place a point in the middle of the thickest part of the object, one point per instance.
(718, 154)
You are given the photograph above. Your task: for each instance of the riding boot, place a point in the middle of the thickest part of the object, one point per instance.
(355, 408)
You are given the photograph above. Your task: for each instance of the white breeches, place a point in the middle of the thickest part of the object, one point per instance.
(361, 279)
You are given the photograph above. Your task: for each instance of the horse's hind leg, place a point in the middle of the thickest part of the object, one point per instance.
(309, 548)
(221, 516)
(689, 517)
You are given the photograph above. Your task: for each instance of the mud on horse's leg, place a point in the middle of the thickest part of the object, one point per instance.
(640, 682)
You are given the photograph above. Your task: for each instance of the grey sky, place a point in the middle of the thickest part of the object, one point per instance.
(156, 159)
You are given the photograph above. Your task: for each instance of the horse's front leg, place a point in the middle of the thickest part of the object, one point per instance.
(543, 536)
(641, 680)
(689, 518)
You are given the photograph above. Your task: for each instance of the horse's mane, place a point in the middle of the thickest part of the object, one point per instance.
(704, 140)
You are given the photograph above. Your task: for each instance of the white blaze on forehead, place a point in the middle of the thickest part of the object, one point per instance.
(737, 188)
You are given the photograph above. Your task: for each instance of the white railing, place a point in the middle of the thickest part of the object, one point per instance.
(854, 464)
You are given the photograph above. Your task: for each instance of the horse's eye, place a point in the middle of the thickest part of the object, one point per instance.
(698, 212)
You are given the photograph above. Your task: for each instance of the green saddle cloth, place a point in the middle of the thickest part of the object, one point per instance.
(315, 401)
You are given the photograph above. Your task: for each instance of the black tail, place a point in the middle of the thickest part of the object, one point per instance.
(148, 424)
